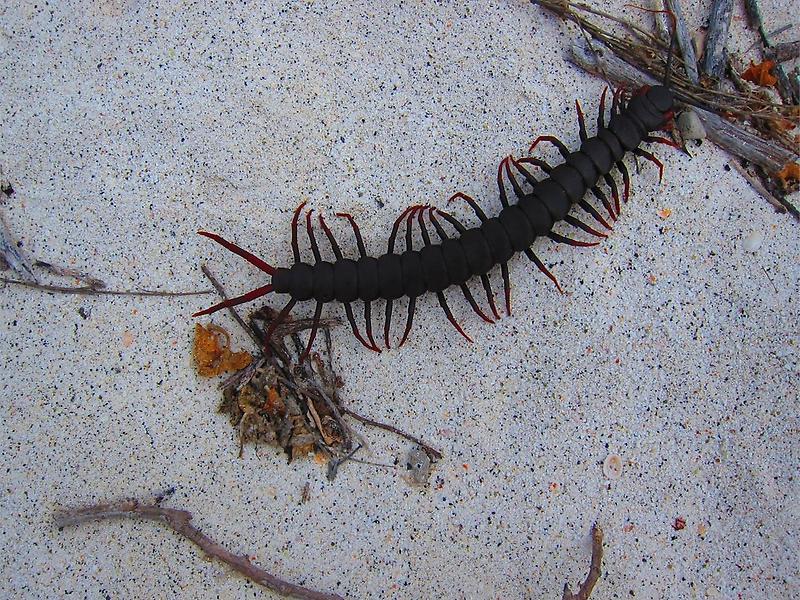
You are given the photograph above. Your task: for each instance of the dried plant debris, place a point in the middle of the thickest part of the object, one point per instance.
(276, 400)
(594, 569)
(738, 113)
(212, 352)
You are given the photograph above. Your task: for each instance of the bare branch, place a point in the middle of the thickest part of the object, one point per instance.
(86, 290)
(594, 568)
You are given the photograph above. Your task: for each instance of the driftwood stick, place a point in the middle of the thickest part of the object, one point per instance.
(180, 522)
(87, 290)
(784, 87)
(719, 23)
(736, 140)
(684, 41)
(594, 568)
(759, 187)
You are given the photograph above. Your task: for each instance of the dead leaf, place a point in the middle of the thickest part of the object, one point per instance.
(789, 173)
(212, 353)
(760, 73)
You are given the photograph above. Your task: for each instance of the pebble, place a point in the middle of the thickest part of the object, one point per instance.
(752, 241)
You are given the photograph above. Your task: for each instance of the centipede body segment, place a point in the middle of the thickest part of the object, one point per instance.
(466, 253)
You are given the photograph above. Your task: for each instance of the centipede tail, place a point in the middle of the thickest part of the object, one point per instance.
(536, 206)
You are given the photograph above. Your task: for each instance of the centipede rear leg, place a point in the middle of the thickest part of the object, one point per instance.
(387, 321)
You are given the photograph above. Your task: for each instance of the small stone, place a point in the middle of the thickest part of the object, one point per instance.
(419, 465)
(752, 242)
(690, 126)
(612, 466)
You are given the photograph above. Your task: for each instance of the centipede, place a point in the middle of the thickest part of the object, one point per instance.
(469, 253)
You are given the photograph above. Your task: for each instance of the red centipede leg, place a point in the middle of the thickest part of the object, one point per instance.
(368, 320)
(450, 317)
(626, 180)
(487, 286)
(396, 227)
(617, 102)
(606, 204)
(655, 139)
(525, 173)
(311, 238)
(412, 305)
(356, 231)
(387, 323)
(471, 299)
(256, 293)
(601, 111)
(248, 256)
(581, 225)
(506, 286)
(471, 202)
(337, 252)
(513, 180)
(581, 122)
(584, 204)
(649, 156)
(553, 140)
(295, 247)
(313, 334)
(614, 191)
(500, 185)
(348, 309)
(279, 319)
(565, 240)
(540, 265)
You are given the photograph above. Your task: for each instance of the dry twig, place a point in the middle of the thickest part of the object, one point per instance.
(594, 569)
(86, 290)
(180, 522)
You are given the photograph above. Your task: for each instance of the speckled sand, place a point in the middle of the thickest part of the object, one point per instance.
(126, 127)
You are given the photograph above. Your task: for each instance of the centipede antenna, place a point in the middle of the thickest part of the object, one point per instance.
(553, 140)
(313, 334)
(356, 231)
(252, 295)
(649, 156)
(606, 204)
(506, 286)
(525, 173)
(312, 238)
(513, 180)
(536, 162)
(500, 185)
(368, 320)
(540, 265)
(556, 237)
(348, 310)
(581, 122)
(248, 256)
(487, 287)
(584, 204)
(450, 317)
(279, 319)
(575, 222)
(614, 191)
(469, 200)
(626, 180)
(295, 247)
(412, 305)
(337, 252)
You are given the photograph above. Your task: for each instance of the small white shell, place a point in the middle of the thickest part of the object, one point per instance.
(752, 241)
(690, 126)
(612, 466)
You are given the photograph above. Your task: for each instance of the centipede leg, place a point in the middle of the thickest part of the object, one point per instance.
(469, 200)
(487, 287)
(540, 265)
(569, 241)
(654, 139)
(598, 193)
(513, 180)
(295, 247)
(581, 225)
(450, 317)
(500, 185)
(584, 204)
(506, 286)
(581, 122)
(601, 110)
(649, 156)
(412, 304)
(311, 238)
(536, 162)
(626, 180)
(614, 191)
(279, 319)
(313, 334)
(252, 295)
(368, 320)
(553, 140)
(348, 310)
(387, 321)
(525, 173)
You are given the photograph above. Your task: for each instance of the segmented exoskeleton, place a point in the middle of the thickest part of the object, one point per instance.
(474, 251)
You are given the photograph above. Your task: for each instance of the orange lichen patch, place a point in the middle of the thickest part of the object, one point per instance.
(665, 213)
(760, 73)
(212, 353)
(789, 173)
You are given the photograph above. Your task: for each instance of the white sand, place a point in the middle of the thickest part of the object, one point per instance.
(126, 127)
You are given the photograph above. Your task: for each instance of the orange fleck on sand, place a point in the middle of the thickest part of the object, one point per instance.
(665, 213)
(127, 339)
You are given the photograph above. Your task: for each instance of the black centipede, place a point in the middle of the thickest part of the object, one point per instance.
(472, 252)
